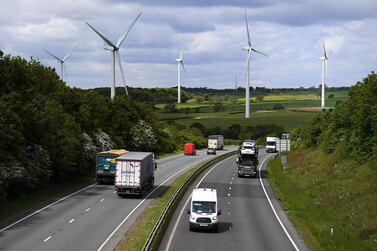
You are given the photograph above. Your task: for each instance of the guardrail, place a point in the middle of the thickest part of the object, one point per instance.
(159, 229)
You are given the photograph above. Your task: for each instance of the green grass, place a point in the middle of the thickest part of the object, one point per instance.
(320, 191)
(41, 197)
(140, 230)
(287, 119)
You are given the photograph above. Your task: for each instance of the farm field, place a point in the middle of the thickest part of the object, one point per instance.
(286, 119)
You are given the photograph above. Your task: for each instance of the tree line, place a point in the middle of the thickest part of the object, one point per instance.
(49, 131)
(350, 129)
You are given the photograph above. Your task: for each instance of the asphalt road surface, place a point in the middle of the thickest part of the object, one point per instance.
(92, 219)
(248, 220)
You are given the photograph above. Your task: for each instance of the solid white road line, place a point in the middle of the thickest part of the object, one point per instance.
(272, 207)
(183, 208)
(47, 239)
(141, 202)
(40, 210)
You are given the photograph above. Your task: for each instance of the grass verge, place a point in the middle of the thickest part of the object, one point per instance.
(320, 192)
(140, 230)
(28, 203)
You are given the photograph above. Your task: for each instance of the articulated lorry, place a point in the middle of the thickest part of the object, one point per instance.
(134, 173)
(247, 160)
(216, 142)
(105, 165)
(271, 144)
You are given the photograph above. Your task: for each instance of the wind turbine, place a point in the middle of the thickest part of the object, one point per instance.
(180, 64)
(249, 50)
(324, 69)
(114, 48)
(62, 60)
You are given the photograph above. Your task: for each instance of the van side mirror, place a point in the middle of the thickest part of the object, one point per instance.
(188, 211)
(155, 165)
(219, 212)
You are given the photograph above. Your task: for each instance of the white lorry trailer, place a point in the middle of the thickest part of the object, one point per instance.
(134, 173)
(216, 142)
(271, 144)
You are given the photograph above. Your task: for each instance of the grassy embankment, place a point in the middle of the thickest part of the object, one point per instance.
(319, 191)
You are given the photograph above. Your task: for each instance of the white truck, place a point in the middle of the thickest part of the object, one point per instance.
(271, 144)
(216, 142)
(134, 173)
(204, 209)
(247, 160)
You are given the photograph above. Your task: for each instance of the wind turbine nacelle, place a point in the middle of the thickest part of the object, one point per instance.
(178, 60)
(246, 48)
(109, 48)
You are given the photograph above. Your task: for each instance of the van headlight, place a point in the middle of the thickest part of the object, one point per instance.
(214, 218)
(192, 217)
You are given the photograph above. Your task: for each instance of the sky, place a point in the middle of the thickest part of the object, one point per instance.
(210, 35)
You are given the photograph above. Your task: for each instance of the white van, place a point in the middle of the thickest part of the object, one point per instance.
(203, 210)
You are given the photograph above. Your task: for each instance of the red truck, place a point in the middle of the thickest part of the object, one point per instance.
(189, 149)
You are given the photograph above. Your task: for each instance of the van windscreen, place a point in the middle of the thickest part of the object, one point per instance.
(204, 206)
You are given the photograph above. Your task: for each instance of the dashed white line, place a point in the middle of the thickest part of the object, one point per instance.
(47, 239)
(102, 200)
(40, 210)
(87, 210)
(231, 183)
(230, 188)
(183, 208)
(228, 194)
(228, 202)
(114, 191)
(71, 220)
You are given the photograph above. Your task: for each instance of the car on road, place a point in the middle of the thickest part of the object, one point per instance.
(211, 151)
(204, 209)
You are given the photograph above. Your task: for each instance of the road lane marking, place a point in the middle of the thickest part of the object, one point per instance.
(47, 239)
(272, 207)
(114, 191)
(102, 200)
(185, 205)
(141, 202)
(228, 194)
(87, 210)
(230, 188)
(40, 210)
(71, 220)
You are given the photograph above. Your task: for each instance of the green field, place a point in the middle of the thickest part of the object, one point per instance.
(286, 119)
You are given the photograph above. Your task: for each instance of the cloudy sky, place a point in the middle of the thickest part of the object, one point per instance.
(210, 34)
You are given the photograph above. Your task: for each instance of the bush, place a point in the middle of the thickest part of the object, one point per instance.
(278, 107)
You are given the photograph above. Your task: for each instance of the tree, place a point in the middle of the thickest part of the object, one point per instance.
(259, 98)
(187, 111)
(218, 107)
(278, 107)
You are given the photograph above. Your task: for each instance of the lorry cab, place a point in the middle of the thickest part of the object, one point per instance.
(204, 209)
(106, 165)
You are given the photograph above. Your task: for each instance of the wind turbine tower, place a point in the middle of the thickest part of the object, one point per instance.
(249, 50)
(324, 70)
(179, 65)
(114, 48)
(62, 60)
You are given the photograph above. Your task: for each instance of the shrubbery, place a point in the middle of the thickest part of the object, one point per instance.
(350, 129)
(49, 131)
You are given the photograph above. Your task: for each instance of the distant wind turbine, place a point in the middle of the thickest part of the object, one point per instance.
(324, 70)
(114, 48)
(62, 60)
(180, 64)
(249, 49)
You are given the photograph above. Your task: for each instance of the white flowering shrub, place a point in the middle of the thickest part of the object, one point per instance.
(143, 137)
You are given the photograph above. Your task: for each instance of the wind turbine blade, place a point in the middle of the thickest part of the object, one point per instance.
(69, 54)
(121, 71)
(259, 52)
(122, 38)
(102, 36)
(52, 55)
(183, 67)
(247, 29)
(324, 49)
